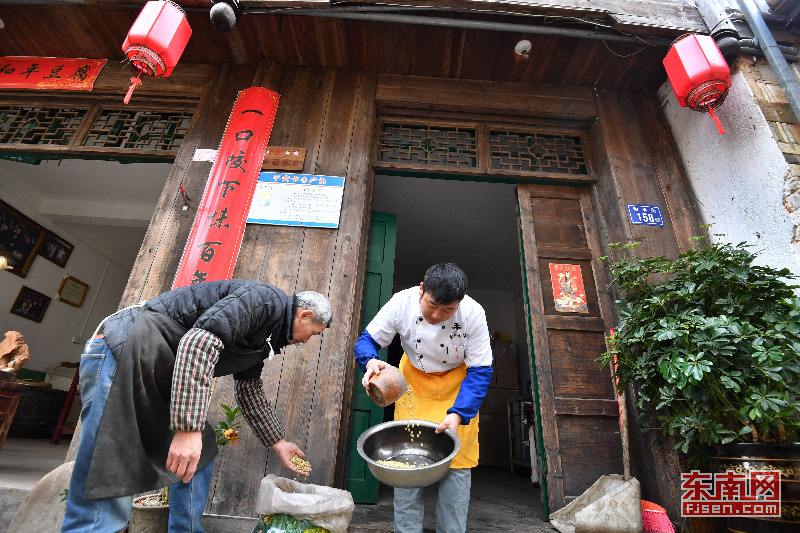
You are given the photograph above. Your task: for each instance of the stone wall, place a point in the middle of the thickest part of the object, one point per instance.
(744, 180)
(785, 128)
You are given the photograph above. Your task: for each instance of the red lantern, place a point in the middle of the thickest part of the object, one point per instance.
(698, 73)
(156, 40)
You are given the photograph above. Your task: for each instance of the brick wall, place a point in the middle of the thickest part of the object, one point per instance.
(784, 125)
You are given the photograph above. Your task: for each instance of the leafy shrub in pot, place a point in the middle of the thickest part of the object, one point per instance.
(712, 343)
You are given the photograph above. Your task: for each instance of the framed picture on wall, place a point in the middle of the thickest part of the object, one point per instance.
(55, 249)
(30, 304)
(72, 291)
(20, 238)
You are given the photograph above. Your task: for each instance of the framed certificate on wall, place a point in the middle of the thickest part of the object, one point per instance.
(72, 291)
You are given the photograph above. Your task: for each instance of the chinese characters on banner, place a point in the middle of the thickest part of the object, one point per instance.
(750, 493)
(49, 73)
(216, 236)
(568, 292)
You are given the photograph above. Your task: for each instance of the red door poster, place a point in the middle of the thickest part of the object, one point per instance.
(568, 292)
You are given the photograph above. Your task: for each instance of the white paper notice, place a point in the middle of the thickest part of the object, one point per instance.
(204, 154)
(297, 200)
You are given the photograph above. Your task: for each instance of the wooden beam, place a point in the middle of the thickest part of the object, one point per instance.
(586, 407)
(643, 15)
(500, 98)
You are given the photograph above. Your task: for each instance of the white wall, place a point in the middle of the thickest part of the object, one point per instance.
(50, 342)
(738, 177)
(499, 307)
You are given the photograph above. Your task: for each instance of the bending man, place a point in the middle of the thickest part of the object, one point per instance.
(146, 383)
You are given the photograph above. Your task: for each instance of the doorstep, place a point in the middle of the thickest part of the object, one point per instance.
(10, 501)
(214, 523)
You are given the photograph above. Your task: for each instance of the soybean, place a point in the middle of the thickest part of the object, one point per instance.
(396, 464)
(301, 464)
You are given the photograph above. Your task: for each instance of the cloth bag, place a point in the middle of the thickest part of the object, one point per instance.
(325, 507)
(613, 504)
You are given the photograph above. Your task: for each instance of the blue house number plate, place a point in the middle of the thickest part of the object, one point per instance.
(649, 215)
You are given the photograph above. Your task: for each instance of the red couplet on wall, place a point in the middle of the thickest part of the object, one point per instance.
(216, 236)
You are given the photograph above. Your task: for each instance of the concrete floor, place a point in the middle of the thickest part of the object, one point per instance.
(501, 501)
(23, 462)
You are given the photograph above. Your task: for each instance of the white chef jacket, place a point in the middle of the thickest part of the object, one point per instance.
(464, 338)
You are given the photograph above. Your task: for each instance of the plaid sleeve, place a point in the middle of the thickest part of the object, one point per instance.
(258, 413)
(192, 379)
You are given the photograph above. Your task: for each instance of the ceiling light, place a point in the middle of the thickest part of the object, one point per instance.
(225, 14)
(523, 49)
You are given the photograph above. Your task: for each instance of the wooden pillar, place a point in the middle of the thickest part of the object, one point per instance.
(331, 114)
(637, 163)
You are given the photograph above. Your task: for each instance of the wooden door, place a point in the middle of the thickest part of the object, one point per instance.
(377, 291)
(579, 416)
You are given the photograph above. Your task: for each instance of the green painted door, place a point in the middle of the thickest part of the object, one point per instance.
(377, 291)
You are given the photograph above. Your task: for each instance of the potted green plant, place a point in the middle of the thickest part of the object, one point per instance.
(711, 343)
(150, 512)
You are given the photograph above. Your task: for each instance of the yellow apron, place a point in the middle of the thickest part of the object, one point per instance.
(433, 395)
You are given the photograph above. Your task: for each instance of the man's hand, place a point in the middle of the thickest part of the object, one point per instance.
(184, 453)
(374, 367)
(452, 421)
(286, 450)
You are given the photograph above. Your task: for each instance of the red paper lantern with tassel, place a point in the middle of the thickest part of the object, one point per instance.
(156, 40)
(698, 73)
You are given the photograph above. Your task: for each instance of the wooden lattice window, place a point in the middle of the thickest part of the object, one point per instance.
(143, 130)
(538, 152)
(38, 125)
(429, 145)
(127, 129)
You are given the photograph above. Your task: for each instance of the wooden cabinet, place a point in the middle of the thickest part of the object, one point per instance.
(10, 393)
(37, 414)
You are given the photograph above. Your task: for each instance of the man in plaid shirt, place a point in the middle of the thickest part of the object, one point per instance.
(146, 383)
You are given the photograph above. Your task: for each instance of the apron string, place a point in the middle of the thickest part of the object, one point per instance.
(100, 325)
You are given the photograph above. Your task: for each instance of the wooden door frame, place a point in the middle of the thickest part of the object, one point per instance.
(484, 173)
(633, 157)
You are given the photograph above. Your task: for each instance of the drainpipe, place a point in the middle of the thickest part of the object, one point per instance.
(773, 54)
(721, 28)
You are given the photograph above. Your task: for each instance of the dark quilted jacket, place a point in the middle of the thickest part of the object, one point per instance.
(242, 313)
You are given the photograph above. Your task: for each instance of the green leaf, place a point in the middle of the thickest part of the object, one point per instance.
(711, 342)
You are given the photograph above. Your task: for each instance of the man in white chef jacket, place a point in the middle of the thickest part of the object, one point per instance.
(448, 365)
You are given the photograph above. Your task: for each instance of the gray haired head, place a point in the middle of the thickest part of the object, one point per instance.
(318, 304)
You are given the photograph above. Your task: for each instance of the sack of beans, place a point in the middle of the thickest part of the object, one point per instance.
(294, 507)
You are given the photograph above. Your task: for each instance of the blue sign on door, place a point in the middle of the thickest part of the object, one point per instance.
(649, 215)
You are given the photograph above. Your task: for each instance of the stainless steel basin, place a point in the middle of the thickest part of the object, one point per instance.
(414, 442)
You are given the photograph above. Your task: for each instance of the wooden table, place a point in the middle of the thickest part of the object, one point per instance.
(10, 393)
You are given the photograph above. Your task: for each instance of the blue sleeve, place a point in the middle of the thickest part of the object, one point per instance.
(366, 349)
(472, 392)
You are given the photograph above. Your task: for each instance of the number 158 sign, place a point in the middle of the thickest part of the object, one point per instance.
(649, 215)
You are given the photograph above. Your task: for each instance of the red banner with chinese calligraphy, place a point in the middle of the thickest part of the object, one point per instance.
(568, 293)
(216, 236)
(49, 73)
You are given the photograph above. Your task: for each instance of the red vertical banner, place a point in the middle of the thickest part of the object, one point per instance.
(216, 236)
